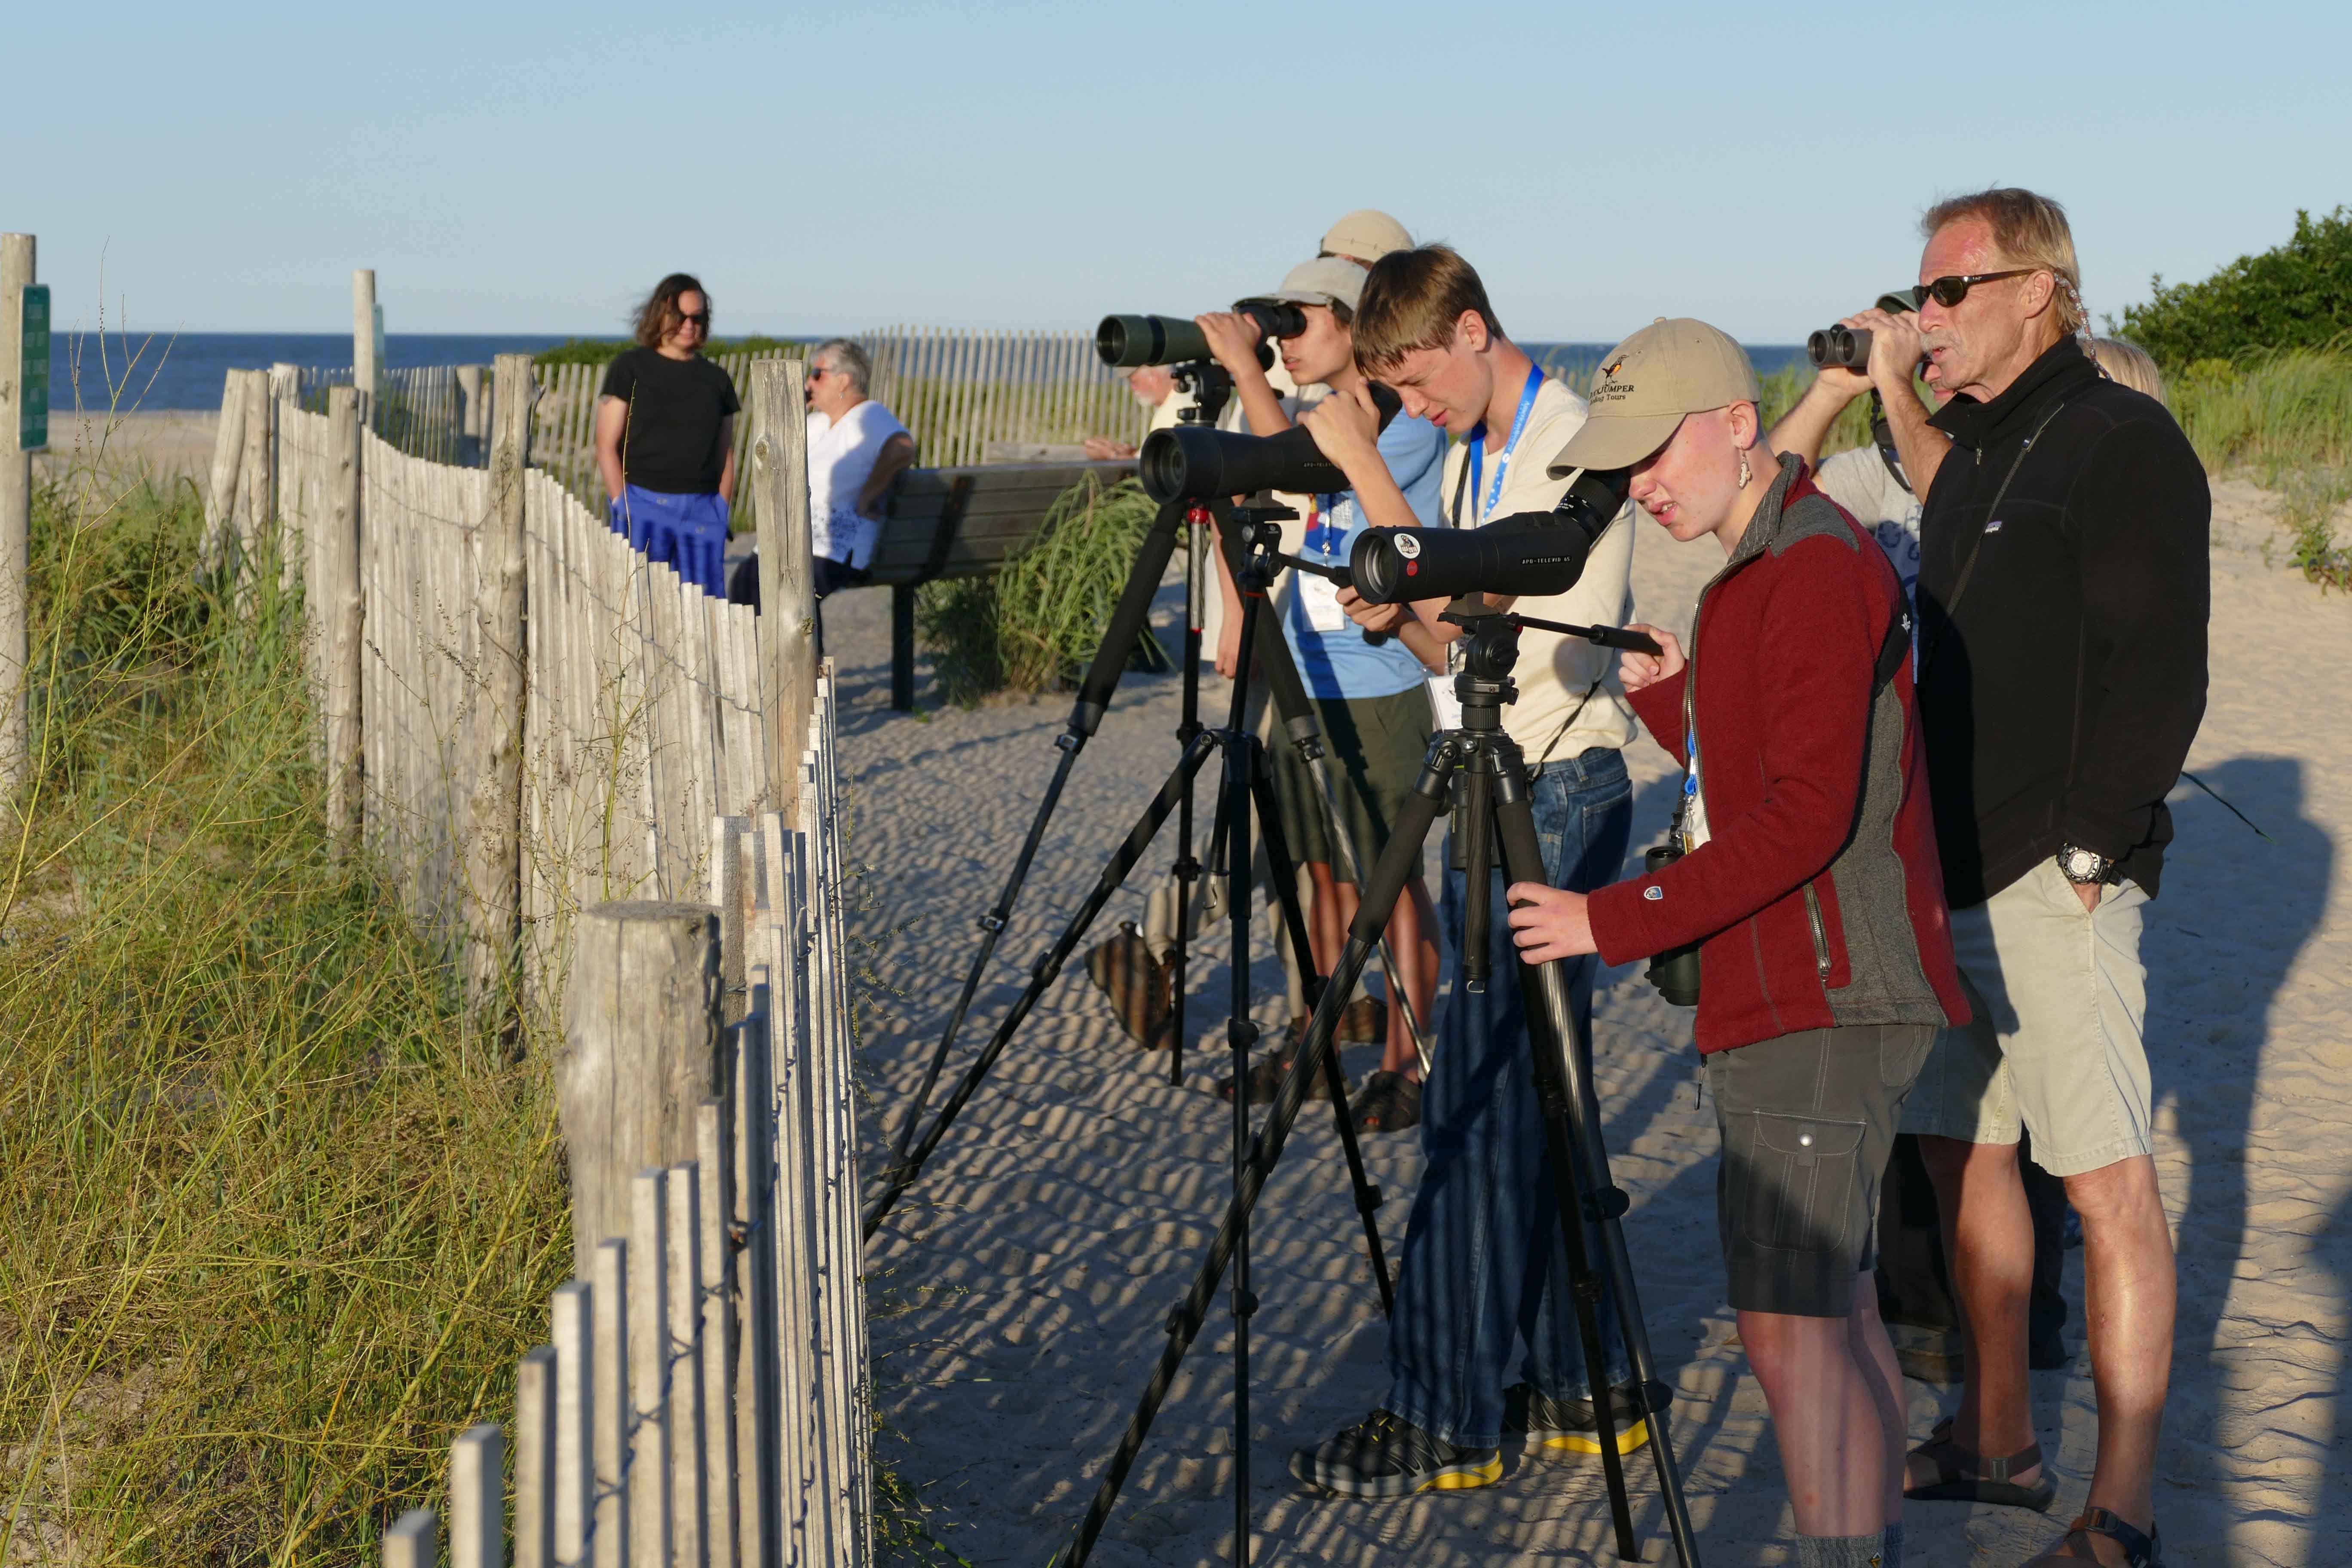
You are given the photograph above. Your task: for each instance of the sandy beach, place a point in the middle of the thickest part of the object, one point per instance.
(166, 443)
(1020, 1286)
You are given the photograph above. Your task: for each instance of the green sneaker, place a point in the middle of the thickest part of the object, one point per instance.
(1559, 1427)
(1383, 1456)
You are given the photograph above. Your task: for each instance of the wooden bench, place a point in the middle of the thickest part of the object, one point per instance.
(962, 522)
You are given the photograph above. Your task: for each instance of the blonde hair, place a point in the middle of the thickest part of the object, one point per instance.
(1411, 299)
(2031, 231)
(2125, 361)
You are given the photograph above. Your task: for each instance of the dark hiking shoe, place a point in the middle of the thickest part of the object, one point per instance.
(1559, 1427)
(1382, 1456)
(1265, 1074)
(1389, 1103)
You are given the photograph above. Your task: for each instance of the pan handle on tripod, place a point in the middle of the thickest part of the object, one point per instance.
(1336, 575)
(1606, 637)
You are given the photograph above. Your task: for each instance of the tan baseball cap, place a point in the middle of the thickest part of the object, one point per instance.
(1326, 280)
(1366, 235)
(1647, 384)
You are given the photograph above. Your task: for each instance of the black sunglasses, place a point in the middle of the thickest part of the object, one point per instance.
(1949, 292)
(699, 319)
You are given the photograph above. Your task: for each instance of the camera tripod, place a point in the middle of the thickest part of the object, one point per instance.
(1485, 767)
(1300, 723)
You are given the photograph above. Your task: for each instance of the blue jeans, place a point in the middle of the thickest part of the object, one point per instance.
(1484, 1262)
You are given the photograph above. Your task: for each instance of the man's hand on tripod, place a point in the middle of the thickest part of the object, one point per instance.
(1549, 922)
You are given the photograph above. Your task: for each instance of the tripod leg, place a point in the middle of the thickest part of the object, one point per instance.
(1583, 1188)
(1186, 867)
(1367, 1196)
(1306, 732)
(1233, 803)
(1127, 621)
(1123, 860)
(1397, 862)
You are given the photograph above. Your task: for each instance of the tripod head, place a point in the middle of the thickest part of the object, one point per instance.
(1211, 385)
(1257, 527)
(1489, 651)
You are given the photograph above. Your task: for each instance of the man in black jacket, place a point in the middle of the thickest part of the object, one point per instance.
(2063, 598)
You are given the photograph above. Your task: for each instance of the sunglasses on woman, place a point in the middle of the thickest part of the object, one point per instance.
(699, 318)
(1951, 291)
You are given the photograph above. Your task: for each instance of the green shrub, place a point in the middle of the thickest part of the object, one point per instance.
(2296, 295)
(2286, 420)
(1034, 624)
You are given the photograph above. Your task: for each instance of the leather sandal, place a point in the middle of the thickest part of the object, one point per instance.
(1962, 1476)
(2139, 1551)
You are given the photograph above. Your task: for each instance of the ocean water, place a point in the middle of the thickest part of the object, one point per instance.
(186, 372)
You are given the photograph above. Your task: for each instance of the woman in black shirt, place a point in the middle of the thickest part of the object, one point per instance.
(665, 437)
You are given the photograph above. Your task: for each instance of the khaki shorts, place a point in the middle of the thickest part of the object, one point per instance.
(2060, 999)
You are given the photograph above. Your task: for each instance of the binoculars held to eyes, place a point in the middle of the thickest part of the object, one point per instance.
(1849, 347)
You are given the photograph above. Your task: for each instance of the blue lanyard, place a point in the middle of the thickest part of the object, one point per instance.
(1503, 465)
(1325, 535)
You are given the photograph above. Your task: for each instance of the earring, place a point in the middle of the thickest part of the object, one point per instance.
(1744, 474)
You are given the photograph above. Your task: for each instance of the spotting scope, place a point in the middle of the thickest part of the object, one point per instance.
(1528, 554)
(1127, 341)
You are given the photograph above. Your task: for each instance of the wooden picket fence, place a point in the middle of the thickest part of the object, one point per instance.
(961, 394)
(704, 1398)
(538, 786)
(642, 710)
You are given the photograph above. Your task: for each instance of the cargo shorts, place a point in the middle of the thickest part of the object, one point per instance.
(1808, 1121)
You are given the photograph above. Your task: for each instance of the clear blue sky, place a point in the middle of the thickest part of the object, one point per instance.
(532, 168)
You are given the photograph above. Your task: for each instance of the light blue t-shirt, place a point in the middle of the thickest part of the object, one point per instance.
(1333, 657)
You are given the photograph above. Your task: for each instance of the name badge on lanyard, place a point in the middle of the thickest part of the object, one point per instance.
(1318, 597)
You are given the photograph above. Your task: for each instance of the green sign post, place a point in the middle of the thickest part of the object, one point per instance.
(33, 421)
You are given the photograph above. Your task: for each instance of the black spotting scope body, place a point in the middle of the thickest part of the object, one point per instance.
(1187, 462)
(1126, 342)
(1528, 554)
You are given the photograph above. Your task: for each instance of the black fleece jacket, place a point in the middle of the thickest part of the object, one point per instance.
(2059, 697)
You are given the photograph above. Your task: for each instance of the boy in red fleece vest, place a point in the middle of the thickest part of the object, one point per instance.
(1812, 882)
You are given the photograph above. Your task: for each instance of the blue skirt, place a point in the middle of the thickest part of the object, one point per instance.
(687, 532)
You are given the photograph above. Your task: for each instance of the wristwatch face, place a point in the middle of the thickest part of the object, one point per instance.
(2081, 864)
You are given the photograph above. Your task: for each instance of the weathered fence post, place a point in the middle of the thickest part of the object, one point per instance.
(258, 470)
(412, 1540)
(787, 603)
(363, 365)
(573, 1331)
(478, 1497)
(649, 1476)
(228, 449)
(534, 1460)
(471, 426)
(641, 1056)
(613, 1417)
(17, 275)
(494, 837)
(337, 552)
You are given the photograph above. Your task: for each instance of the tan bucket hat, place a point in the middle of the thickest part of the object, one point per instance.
(1647, 384)
(1366, 235)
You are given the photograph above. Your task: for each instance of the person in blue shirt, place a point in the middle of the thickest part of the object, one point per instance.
(1370, 692)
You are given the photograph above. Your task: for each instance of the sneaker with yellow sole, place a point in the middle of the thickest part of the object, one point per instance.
(1560, 1429)
(1385, 1457)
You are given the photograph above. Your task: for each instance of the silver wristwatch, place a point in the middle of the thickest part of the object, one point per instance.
(2083, 867)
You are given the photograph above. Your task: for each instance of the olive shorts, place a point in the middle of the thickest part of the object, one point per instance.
(2060, 999)
(1808, 1121)
(1372, 748)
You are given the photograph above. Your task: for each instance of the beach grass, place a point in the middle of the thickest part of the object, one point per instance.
(277, 1222)
(1032, 627)
(2284, 419)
